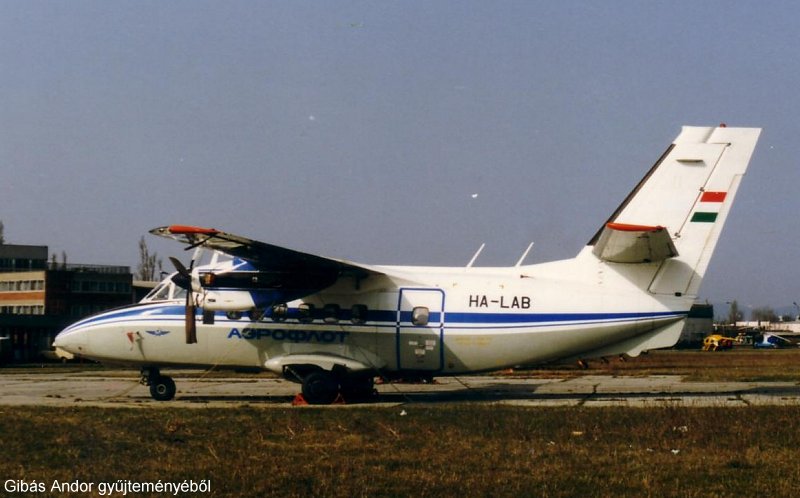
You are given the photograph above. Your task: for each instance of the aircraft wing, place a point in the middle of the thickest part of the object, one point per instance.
(280, 261)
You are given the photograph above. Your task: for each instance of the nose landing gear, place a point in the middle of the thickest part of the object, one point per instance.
(162, 387)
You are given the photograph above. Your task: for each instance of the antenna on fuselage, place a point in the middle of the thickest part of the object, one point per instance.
(471, 261)
(524, 255)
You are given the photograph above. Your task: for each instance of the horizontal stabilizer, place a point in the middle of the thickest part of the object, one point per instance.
(623, 243)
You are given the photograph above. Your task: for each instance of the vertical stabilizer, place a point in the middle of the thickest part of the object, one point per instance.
(689, 193)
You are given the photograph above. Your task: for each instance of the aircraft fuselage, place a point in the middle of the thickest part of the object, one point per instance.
(449, 322)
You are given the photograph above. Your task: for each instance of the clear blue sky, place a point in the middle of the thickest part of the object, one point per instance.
(361, 129)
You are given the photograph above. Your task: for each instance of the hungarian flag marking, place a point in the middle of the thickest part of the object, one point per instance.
(708, 209)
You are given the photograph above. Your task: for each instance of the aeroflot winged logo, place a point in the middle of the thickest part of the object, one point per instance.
(157, 332)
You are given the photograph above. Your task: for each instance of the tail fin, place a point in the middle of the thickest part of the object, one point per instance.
(677, 211)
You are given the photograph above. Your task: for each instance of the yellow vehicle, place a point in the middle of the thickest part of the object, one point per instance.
(716, 342)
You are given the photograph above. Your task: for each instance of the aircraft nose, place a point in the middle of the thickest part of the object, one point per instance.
(73, 340)
(60, 341)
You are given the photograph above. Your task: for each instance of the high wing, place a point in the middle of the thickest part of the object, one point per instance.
(278, 266)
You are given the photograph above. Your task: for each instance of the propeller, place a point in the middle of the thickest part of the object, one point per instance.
(184, 280)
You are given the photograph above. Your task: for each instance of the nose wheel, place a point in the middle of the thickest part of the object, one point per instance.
(162, 387)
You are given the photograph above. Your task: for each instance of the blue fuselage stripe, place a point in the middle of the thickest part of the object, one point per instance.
(384, 318)
(508, 318)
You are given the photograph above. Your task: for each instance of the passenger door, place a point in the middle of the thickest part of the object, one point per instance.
(420, 329)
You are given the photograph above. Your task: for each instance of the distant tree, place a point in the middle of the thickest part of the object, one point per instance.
(763, 314)
(2, 236)
(148, 263)
(53, 262)
(63, 260)
(734, 314)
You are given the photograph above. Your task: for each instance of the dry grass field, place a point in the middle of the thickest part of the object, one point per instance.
(414, 450)
(431, 450)
(738, 364)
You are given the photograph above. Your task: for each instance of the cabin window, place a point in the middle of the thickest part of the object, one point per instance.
(279, 312)
(420, 316)
(305, 313)
(331, 313)
(358, 314)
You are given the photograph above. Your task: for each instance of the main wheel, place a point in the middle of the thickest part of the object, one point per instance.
(162, 388)
(320, 388)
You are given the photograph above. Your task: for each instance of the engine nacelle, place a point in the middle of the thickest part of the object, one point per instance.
(227, 300)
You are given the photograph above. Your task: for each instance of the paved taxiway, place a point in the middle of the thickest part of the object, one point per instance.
(115, 389)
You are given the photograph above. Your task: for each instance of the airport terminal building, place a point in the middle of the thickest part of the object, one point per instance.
(38, 299)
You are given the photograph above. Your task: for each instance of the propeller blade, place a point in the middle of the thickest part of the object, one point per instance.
(183, 279)
(182, 270)
(191, 324)
(182, 282)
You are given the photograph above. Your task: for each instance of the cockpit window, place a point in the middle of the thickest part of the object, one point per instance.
(160, 293)
(164, 291)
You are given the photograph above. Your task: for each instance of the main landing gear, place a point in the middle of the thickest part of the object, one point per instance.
(162, 387)
(321, 387)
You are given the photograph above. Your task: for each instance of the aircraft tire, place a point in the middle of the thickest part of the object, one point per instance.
(162, 388)
(320, 388)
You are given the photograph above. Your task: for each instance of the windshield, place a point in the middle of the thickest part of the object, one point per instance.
(159, 293)
(165, 291)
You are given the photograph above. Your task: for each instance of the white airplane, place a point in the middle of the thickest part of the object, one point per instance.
(770, 341)
(334, 325)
